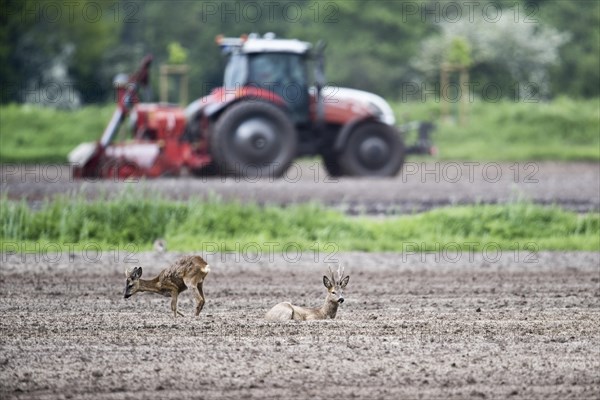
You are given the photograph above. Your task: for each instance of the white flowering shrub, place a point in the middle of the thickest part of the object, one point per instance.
(524, 49)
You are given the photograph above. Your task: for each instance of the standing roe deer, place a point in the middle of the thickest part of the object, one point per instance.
(186, 273)
(286, 311)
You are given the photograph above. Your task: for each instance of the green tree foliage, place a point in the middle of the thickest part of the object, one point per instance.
(41, 35)
(177, 54)
(459, 52)
(578, 74)
(520, 49)
(370, 43)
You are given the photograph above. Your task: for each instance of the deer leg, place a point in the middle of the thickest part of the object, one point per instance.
(196, 291)
(200, 299)
(174, 295)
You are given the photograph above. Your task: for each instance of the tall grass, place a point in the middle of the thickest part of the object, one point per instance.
(564, 129)
(135, 219)
(31, 134)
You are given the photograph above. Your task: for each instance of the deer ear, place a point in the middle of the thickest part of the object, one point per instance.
(327, 282)
(136, 273)
(344, 282)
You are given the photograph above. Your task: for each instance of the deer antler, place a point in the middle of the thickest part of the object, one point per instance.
(340, 272)
(332, 275)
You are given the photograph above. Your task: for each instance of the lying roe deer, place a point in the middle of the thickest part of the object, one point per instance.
(286, 311)
(186, 273)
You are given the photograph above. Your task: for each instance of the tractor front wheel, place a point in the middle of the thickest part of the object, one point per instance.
(372, 149)
(253, 139)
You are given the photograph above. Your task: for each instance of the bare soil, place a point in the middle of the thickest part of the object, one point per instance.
(434, 326)
(420, 186)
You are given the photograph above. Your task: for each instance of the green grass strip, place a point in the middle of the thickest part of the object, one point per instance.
(133, 219)
(564, 129)
(31, 134)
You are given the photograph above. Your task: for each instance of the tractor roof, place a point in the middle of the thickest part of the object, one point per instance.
(266, 44)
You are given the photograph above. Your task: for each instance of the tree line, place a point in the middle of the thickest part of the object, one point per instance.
(72, 49)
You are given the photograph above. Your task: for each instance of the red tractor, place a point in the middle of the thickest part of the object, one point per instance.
(264, 116)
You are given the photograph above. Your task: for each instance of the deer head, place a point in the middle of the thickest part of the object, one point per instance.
(335, 285)
(132, 281)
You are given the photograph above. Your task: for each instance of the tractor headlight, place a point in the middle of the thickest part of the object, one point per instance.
(375, 110)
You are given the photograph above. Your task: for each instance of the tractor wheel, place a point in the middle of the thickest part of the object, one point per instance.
(373, 149)
(253, 139)
(331, 164)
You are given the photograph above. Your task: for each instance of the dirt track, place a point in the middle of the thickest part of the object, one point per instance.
(421, 186)
(410, 328)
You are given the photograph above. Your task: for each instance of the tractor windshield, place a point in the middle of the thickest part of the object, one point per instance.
(236, 72)
(272, 70)
(283, 74)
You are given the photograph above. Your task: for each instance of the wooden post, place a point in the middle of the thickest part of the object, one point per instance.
(164, 84)
(445, 71)
(444, 79)
(182, 72)
(464, 101)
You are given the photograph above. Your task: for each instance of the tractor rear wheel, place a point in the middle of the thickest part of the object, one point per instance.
(331, 164)
(253, 139)
(373, 149)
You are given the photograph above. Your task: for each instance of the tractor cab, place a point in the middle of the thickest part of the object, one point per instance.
(275, 65)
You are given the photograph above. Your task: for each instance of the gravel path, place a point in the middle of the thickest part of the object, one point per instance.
(421, 186)
(435, 326)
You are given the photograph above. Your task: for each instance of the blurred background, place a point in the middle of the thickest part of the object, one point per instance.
(373, 45)
(532, 112)
(518, 55)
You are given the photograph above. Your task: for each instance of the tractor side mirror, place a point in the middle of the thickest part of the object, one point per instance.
(320, 64)
(320, 81)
